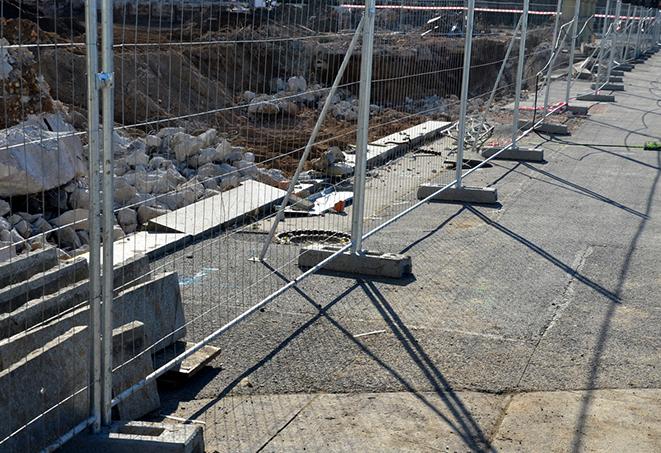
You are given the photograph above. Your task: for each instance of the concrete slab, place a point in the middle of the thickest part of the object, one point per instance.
(608, 87)
(25, 266)
(219, 211)
(578, 110)
(39, 285)
(517, 154)
(486, 195)
(596, 97)
(145, 437)
(551, 128)
(43, 309)
(396, 144)
(386, 265)
(596, 420)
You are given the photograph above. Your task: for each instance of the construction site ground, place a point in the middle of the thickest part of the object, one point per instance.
(532, 325)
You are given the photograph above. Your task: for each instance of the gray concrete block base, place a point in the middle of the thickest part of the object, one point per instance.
(553, 129)
(388, 265)
(578, 110)
(596, 97)
(626, 67)
(608, 87)
(145, 437)
(518, 154)
(479, 195)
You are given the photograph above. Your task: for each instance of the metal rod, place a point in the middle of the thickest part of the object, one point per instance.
(549, 71)
(492, 97)
(616, 20)
(106, 79)
(519, 71)
(572, 50)
(362, 135)
(94, 211)
(468, 48)
(625, 53)
(189, 352)
(602, 43)
(640, 28)
(313, 137)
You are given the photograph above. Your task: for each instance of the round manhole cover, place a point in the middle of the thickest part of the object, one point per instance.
(305, 237)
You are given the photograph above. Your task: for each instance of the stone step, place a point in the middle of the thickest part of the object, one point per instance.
(42, 309)
(42, 284)
(25, 266)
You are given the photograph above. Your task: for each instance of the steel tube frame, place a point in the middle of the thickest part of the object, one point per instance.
(108, 216)
(362, 134)
(640, 29)
(465, 81)
(572, 50)
(519, 71)
(549, 71)
(94, 212)
(625, 52)
(313, 136)
(602, 43)
(616, 19)
(492, 97)
(292, 283)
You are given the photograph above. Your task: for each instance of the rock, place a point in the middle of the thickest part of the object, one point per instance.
(160, 163)
(223, 151)
(84, 237)
(41, 226)
(210, 184)
(247, 168)
(75, 219)
(208, 193)
(263, 105)
(339, 169)
(248, 96)
(80, 199)
(39, 154)
(23, 228)
(7, 251)
(153, 141)
(137, 158)
(184, 145)
(123, 192)
(229, 181)
(146, 213)
(249, 157)
(344, 110)
(29, 217)
(277, 84)
(273, 177)
(5, 208)
(67, 238)
(14, 219)
(289, 108)
(332, 156)
(128, 220)
(207, 138)
(117, 233)
(169, 132)
(210, 171)
(297, 84)
(235, 154)
(56, 200)
(4, 224)
(121, 167)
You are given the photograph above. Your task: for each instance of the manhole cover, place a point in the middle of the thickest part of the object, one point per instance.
(305, 237)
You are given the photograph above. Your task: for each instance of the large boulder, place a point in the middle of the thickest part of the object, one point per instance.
(39, 154)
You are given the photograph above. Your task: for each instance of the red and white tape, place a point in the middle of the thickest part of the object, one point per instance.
(453, 8)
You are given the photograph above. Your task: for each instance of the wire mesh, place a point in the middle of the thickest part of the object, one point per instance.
(214, 106)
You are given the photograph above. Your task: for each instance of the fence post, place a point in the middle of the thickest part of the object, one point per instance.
(465, 81)
(94, 211)
(625, 53)
(362, 135)
(106, 81)
(519, 72)
(549, 71)
(572, 50)
(616, 19)
(600, 63)
(640, 28)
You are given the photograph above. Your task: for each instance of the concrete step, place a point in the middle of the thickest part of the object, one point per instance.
(25, 266)
(42, 284)
(42, 309)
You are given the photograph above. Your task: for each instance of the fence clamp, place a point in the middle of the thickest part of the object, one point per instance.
(105, 79)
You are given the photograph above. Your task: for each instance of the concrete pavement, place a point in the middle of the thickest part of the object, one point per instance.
(528, 326)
